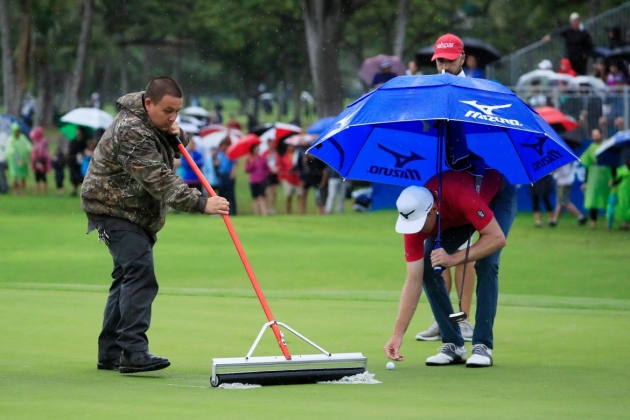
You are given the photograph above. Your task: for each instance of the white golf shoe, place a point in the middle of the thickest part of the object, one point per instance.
(467, 330)
(449, 354)
(481, 356)
(430, 334)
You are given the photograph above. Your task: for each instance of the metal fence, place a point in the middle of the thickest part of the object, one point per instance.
(608, 110)
(510, 67)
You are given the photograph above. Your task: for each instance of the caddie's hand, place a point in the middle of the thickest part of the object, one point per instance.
(439, 257)
(174, 129)
(392, 349)
(583, 186)
(217, 205)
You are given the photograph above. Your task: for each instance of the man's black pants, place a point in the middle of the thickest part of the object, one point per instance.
(128, 310)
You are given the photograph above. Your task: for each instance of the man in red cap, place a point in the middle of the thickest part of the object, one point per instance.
(448, 55)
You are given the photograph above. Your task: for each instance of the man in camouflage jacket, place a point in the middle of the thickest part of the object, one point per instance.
(126, 193)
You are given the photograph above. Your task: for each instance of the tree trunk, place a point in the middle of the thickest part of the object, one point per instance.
(23, 51)
(594, 7)
(79, 64)
(401, 28)
(124, 77)
(44, 115)
(323, 21)
(282, 98)
(11, 106)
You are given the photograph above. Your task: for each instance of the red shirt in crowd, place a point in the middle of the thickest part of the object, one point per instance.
(461, 205)
(285, 169)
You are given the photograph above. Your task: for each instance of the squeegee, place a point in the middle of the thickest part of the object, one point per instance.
(275, 370)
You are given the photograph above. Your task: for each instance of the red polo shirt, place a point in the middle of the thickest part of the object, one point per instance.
(461, 205)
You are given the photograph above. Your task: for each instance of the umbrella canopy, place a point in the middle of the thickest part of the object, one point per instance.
(190, 120)
(6, 121)
(614, 151)
(189, 128)
(485, 53)
(213, 135)
(93, 118)
(600, 52)
(619, 54)
(372, 65)
(557, 120)
(593, 83)
(319, 126)
(391, 135)
(196, 111)
(545, 78)
(275, 131)
(241, 148)
(301, 140)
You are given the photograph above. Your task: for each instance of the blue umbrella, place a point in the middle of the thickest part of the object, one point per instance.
(24, 128)
(614, 151)
(319, 126)
(396, 133)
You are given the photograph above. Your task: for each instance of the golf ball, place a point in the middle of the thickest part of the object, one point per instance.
(390, 365)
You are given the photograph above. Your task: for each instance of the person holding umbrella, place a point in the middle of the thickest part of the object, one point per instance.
(386, 74)
(127, 190)
(449, 58)
(489, 208)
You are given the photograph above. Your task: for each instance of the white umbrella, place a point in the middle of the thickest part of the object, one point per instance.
(277, 132)
(592, 82)
(301, 139)
(196, 111)
(88, 117)
(546, 78)
(213, 135)
(189, 128)
(190, 120)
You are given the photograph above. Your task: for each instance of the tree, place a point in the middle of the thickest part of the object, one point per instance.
(401, 28)
(8, 71)
(72, 95)
(324, 21)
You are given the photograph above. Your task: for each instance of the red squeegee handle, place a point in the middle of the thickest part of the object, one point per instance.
(241, 252)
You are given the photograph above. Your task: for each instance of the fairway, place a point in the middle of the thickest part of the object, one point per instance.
(560, 333)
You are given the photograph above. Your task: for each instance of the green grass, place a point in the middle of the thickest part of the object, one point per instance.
(561, 329)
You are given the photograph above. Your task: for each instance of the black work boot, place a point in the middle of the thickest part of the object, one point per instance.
(141, 361)
(112, 364)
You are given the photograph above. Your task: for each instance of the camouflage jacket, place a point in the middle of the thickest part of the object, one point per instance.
(131, 171)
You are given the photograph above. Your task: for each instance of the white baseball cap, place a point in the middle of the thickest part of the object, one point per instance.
(413, 204)
(574, 16)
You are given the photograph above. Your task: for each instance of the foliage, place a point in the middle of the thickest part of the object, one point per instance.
(232, 47)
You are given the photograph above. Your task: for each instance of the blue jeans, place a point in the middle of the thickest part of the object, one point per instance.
(504, 207)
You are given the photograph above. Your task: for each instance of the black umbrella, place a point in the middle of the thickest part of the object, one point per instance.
(600, 52)
(572, 138)
(259, 129)
(619, 54)
(485, 53)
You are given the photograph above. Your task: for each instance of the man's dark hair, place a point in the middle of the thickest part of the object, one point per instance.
(162, 86)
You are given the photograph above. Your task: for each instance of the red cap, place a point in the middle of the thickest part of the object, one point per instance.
(448, 46)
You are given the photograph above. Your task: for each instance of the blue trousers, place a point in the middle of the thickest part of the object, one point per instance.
(504, 207)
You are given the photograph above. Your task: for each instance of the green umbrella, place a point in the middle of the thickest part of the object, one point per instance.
(70, 130)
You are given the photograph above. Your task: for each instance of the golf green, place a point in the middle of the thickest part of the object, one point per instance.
(560, 332)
